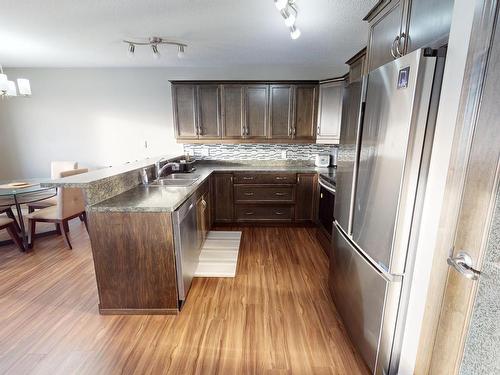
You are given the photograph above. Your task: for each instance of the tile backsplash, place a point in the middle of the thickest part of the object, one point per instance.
(254, 151)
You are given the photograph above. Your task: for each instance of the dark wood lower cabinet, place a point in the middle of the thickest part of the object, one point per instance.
(222, 197)
(265, 197)
(134, 262)
(307, 197)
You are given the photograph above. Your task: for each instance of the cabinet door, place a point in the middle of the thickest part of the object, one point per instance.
(184, 107)
(256, 111)
(208, 111)
(330, 112)
(429, 24)
(384, 29)
(281, 98)
(222, 197)
(307, 197)
(232, 111)
(305, 112)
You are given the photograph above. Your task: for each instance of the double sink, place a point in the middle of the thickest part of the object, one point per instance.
(176, 180)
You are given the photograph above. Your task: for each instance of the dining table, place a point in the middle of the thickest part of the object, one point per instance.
(22, 192)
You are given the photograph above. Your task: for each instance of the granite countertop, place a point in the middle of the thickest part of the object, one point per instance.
(168, 198)
(86, 180)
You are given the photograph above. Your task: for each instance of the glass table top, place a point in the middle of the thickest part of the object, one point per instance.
(23, 186)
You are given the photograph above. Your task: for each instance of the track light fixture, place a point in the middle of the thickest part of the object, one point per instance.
(288, 11)
(154, 42)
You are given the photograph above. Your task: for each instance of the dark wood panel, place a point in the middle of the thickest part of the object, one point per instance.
(232, 111)
(305, 114)
(134, 260)
(307, 197)
(208, 111)
(264, 194)
(184, 107)
(281, 103)
(264, 178)
(256, 111)
(268, 213)
(222, 196)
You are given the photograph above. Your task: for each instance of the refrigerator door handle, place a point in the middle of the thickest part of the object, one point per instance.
(389, 277)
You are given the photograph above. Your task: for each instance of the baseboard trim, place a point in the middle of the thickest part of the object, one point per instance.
(138, 311)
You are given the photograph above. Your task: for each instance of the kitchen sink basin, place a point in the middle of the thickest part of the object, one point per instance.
(176, 180)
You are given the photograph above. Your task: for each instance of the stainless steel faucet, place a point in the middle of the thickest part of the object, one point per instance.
(160, 170)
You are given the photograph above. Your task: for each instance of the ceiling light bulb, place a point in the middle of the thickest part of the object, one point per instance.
(131, 50)
(290, 20)
(280, 4)
(24, 87)
(180, 52)
(294, 32)
(156, 53)
(12, 90)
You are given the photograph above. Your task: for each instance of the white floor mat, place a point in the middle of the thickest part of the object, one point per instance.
(219, 255)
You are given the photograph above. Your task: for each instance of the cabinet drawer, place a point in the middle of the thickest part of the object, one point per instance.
(263, 213)
(265, 178)
(263, 194)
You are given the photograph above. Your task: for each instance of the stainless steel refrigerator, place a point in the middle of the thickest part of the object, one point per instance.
(386, 141)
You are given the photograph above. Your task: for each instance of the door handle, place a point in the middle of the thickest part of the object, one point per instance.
(462, 263)
(393, 47)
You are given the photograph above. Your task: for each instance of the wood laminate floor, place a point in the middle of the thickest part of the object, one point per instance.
(275, 317)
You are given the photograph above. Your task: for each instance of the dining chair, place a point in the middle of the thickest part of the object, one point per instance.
(56, 167)
(5, 207)
(10, 225)
(70, 204)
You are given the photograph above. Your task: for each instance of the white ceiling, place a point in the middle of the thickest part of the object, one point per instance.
(88, 33)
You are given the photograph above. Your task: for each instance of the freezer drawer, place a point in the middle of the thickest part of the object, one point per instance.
(366, 301)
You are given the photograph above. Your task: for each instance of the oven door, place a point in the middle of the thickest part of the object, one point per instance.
(326, 205)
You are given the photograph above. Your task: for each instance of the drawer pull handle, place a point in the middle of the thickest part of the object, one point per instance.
(249, 213)
(249, 194)
(281, 178)
(279, 213)
(248, 178)
(280, 194)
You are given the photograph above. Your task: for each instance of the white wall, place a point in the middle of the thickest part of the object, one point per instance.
(99, 116)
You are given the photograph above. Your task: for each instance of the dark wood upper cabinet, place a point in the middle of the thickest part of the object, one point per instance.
(245, 111)
(232, 111)
(398, 27)
(307, 197)
(384, 29)
(184, 108)
(429, 24)
(209, 111)
(256, 111)
(281, 110)
(305, 112)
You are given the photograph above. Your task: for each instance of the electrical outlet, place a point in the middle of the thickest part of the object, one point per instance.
(284, 154)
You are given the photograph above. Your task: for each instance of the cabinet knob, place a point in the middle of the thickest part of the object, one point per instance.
(249, 213)
(279, 213)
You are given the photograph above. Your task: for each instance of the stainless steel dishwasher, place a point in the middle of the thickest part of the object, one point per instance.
(187, 246)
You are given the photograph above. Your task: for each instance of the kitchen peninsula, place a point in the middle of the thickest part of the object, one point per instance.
(135, 228)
